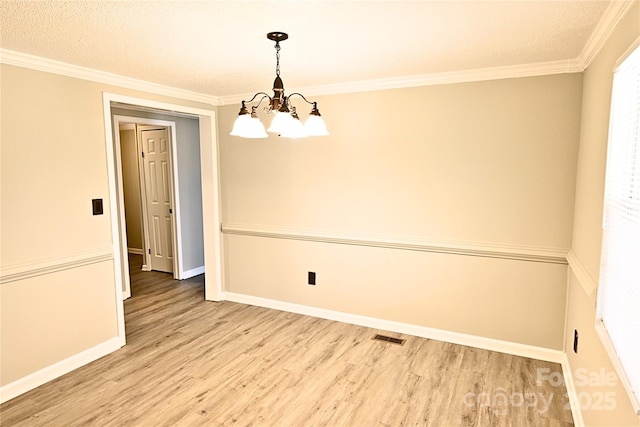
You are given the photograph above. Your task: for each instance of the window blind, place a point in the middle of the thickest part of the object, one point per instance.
(618, 305)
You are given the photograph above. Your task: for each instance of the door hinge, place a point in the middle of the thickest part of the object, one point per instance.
(149, 251)
(170, 210)
(143, 154)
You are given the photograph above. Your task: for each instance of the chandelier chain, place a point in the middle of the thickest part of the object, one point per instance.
(277, 59)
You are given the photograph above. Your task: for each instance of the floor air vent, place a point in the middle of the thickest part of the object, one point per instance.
(386, 338)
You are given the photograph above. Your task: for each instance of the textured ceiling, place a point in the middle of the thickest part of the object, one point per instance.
(219, 47)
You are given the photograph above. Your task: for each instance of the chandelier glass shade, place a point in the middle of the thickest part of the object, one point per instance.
(285, 120)
(248, 126)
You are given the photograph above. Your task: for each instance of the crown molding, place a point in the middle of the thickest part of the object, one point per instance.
(616, 11)
(24, 60)
(465, 76)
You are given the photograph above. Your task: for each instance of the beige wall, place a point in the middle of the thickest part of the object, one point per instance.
(587, 232)
(486, 297)
(53, 162)
(48, 318)
(488, 162)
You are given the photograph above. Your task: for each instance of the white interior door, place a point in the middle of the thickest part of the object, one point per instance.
(157, 180)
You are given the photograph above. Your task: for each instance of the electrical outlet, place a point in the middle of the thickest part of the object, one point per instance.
(575, 340)
(312, 278)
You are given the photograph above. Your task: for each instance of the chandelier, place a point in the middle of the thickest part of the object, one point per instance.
(285, 121)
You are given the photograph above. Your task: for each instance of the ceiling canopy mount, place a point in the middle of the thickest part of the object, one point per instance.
(277, 36)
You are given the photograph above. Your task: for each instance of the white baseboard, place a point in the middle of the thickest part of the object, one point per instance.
(36, 379)
(135, 251)
(508, 347)
(192, 273)
(572, 393)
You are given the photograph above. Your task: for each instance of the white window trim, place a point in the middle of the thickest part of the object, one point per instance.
(634, 396)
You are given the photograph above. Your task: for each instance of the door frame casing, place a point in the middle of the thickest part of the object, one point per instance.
(211, 199)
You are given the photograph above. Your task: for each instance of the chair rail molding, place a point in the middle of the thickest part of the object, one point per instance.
(588, 284)
(481, 249)
(47, 266)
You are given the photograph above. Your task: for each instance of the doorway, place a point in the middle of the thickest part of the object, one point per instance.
(145, 153)
(210, 193)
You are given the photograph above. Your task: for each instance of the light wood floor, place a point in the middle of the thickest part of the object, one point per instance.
(188, 363)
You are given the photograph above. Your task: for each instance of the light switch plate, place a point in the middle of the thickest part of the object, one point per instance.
(97, 206)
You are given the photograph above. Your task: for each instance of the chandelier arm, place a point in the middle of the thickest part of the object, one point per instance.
(302, 96)
(260, 102)
(256, 95)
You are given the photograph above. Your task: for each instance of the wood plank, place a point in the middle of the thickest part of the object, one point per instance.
(191, 362)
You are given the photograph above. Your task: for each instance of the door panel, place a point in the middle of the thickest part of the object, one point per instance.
(157, 171)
